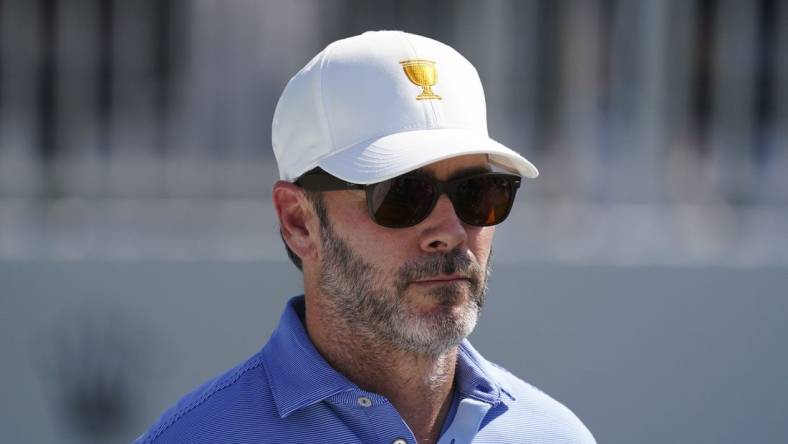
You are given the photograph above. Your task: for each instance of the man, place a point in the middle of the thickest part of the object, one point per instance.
(387, 202)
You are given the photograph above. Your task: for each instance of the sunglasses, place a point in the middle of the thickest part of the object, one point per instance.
(480, 200)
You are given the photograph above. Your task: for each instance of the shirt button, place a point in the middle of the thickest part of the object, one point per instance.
(399, 441)
(363, 401)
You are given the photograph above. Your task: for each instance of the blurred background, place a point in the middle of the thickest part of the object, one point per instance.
(641, 279)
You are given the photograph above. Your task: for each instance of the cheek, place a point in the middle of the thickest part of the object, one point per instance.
(390, 249)
(480, 242)
(375, 244)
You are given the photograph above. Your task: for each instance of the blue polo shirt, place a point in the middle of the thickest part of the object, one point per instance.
(287, 393)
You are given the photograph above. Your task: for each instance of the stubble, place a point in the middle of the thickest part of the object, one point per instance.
(377, 310)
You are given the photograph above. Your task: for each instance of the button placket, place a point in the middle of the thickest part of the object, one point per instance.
(382, 418)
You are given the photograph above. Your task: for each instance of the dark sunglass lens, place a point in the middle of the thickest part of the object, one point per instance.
(400, 202)
(484, 200)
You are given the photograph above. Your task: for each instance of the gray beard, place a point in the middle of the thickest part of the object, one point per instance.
(375, 312)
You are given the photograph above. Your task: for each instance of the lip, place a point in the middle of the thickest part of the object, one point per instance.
(441, 280)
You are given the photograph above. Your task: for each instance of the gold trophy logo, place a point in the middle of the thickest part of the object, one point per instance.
(422, 73)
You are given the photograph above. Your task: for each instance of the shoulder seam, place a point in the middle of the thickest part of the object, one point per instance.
(255, 362)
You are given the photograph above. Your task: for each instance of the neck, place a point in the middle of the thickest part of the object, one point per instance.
(419, 386)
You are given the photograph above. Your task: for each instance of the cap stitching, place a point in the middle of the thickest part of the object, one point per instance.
(324, 115)
(502, 159)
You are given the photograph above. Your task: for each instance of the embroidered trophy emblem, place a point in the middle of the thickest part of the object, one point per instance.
(422, 73)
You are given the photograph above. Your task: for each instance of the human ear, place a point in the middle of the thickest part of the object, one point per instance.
(297, 222)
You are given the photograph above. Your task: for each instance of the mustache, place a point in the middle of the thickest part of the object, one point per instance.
(451, 262)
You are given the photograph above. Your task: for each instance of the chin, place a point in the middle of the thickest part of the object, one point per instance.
(439, 330)
(445, 305)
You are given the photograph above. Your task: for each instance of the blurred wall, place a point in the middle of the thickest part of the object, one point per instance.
(673, 114)
(93, 352)
(139, 252)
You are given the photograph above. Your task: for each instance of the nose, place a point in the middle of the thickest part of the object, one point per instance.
(443, 230)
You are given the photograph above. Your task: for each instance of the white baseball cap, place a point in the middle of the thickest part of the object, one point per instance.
(354, 111)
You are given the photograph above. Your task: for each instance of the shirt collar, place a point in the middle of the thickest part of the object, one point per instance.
(299, 376)
(476, 376)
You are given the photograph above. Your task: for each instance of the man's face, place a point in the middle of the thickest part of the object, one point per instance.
(420, 288)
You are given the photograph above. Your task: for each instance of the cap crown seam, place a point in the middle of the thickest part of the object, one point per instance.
(423, 105)
(436, 121)
(406, 128)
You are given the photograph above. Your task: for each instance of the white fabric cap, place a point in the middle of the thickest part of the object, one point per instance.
(354, 111)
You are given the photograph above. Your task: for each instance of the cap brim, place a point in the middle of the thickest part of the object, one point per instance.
(396, 154)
